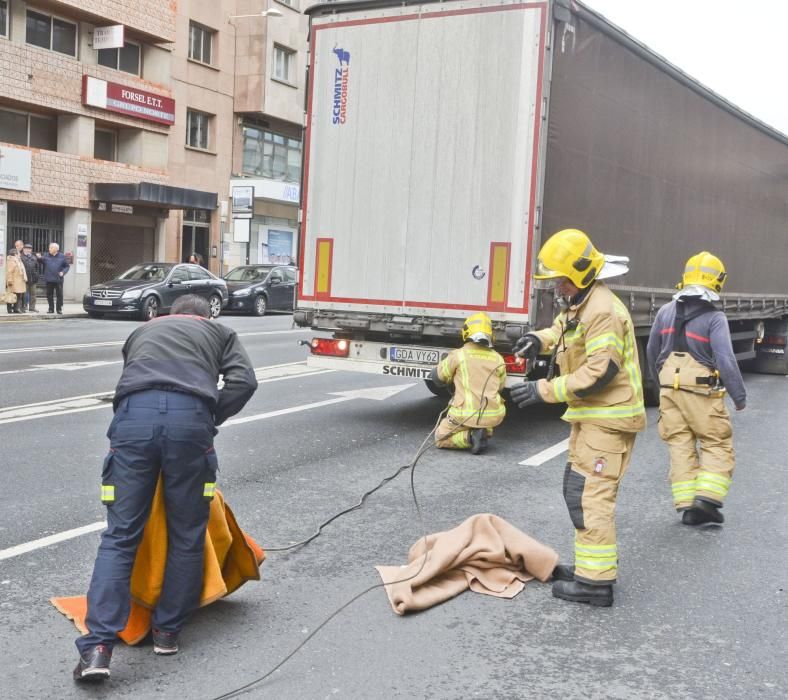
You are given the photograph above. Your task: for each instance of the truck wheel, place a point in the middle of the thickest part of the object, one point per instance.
(443, 392)
(215, 302)
(259, 306)
(150, 309)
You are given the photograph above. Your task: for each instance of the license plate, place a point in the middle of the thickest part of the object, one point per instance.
(416, 355)
(102, 302)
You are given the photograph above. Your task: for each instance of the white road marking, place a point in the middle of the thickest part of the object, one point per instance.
(64, 366)
(111, 343)
(51, 539)
(380, 393)
(546, 455)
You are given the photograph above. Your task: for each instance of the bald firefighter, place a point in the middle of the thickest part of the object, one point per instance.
(593, 343)
(690, 350)
(478, 374)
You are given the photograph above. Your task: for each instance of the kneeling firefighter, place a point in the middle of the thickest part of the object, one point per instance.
(593, 342)
(690, 350)
(478, 373)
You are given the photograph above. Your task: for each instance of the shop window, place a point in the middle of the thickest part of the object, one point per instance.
(197, 127)
(4, 18)
(284, 64)
(126, 59)
(105, 144)
(32, 130)
(200, 43)
(271, 155)
(51, 33)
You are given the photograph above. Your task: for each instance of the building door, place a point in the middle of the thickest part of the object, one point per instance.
(196, 234)
(116, 247)
(36, 225)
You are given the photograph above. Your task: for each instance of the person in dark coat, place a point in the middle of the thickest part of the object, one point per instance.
(55, 268)
(31, 267)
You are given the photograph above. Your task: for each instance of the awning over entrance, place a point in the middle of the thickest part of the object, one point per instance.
(149, 194)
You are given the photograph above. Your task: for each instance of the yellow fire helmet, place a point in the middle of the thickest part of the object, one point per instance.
(569, 253)
(478, 328)
(706, 270)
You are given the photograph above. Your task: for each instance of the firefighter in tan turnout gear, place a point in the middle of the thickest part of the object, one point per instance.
(593, 343)
(690, 351)
(478, 374)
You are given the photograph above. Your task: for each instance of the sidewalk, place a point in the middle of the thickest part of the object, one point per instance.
(70, 310)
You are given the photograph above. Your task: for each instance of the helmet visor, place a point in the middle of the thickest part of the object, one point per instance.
(547, 278)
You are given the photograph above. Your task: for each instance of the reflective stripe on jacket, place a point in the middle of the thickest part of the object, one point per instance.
(478, 374)
(598, 358)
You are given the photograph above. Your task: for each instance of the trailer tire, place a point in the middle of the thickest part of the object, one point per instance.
(442, 392)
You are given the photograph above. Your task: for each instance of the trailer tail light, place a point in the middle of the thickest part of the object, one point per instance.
(330, 346)
(514, 365)
(774, 340)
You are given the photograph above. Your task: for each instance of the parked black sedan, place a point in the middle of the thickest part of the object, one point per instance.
(255, 289)
(150, 289)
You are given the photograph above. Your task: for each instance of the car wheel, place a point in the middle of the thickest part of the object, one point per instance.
(95, 314)
(215, 302)
(150, 309)
(260, 306)
(443, 392)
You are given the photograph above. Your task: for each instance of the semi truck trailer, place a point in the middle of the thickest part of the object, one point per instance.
(445, 140)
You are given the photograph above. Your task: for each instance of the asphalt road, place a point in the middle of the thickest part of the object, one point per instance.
(699, 613)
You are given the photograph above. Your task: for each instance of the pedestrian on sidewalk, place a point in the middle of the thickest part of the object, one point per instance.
(691, 352)
(15, 283)
(196, 259)
(31, 268)
(55, 268)
(167, 407)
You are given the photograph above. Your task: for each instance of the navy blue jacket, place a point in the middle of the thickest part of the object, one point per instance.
(53, 266)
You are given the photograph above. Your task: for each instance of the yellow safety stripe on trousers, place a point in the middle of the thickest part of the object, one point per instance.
(559, 389)
(714, 483)
(456, 412)
(605, 411)
(603, 341)
(589, 556)
(461, 440)
(683, 490)
(209, 489)
(107, 493)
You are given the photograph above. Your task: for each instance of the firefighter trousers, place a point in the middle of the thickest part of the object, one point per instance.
(452, 435)
(598, 459)
(699, 435)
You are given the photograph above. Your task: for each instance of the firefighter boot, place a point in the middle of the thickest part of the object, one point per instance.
(478, 440)
(578, 592)
(707, 512)
(564, 572)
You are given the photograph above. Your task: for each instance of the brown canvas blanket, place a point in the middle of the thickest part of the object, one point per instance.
(231, 559)
(485, 553)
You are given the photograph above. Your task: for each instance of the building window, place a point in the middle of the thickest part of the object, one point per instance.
(284, 64)
(4, 18)
(105, 144)
(126, 59)
(197, 125)
(271, 155)
(31, 130)
(51, 33)
(200, 43)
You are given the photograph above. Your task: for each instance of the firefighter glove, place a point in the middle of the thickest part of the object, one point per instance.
(526, 394)
(528, 347)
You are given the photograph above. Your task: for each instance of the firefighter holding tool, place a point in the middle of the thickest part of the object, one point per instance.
(592, 341)
(478, 374)
(690, 350)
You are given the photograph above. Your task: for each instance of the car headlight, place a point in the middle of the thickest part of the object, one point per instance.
(131, 294)
(242, 293)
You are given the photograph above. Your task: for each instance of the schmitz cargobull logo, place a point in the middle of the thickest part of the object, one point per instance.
(341, 80)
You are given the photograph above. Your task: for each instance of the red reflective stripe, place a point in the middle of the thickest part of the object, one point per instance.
(666, 331)
(697, 337)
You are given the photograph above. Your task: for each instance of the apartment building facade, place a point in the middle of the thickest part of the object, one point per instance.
(126, 154)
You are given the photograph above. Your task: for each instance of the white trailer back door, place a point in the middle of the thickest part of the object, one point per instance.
(420, 158)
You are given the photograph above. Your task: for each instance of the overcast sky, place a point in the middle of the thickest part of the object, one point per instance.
(738, 49)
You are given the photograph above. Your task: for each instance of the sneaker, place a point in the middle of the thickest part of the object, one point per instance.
(578, 592)
(165, 643)
(94, 665)
(478, 440)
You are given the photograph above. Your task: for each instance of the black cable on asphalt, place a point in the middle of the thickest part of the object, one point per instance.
(424, 447)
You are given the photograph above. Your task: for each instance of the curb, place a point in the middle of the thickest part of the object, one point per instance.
(32, 318)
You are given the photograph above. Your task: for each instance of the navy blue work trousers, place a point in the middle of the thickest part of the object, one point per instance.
(153, 432)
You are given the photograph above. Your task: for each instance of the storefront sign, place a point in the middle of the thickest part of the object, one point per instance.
(108, 37)
(243, 201)
(126, 100)
(115, 208)
(241, 228)
(275, 190)
(15, 169)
